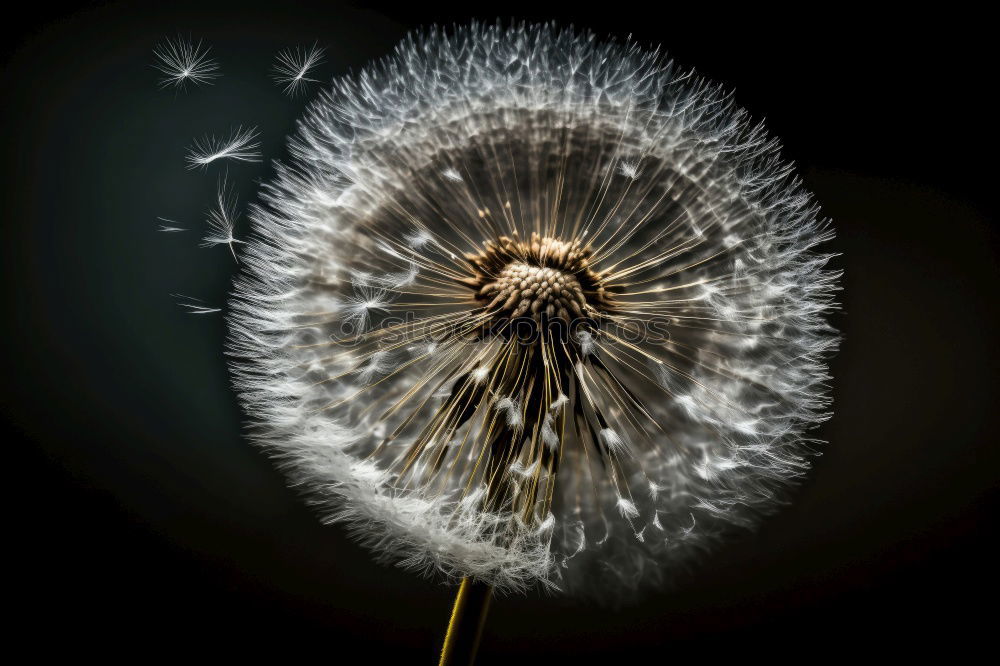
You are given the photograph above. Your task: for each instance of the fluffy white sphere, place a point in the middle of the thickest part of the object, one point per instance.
(534, 309)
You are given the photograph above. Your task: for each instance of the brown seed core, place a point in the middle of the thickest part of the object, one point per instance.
(543, 278)
(524, 290)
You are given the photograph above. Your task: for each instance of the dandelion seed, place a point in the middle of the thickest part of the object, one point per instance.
(627, 508)
(586, 340)
(688, 530)
(379, 363)
(613, 441)
(194, 305)
(292, 66)
(399, 279)
(452, 174)
(366, 300)
(183, 61)
(418, 239)
(240, 146)
(629, 169)
(512, 411)
(547, 524)
(222, 219)
(549, 436)
(169, 226)
(480, 374)
(522, 471)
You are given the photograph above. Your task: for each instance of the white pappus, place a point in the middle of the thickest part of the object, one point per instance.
(242, 145)
(182, 61)
(616, 280)
(221, 220)
(293, 65)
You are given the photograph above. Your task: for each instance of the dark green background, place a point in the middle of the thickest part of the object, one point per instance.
(141, 523)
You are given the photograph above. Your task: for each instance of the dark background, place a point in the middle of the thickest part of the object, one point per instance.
(140, 524)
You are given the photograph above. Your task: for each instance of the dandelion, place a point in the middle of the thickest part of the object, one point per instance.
(240, 146)
(222, 218)
(182, 61)
(292, 66)
(577, 363)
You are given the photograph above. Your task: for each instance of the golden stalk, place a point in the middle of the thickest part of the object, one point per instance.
(465, 628)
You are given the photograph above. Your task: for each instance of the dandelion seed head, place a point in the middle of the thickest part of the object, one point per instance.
(591, 415)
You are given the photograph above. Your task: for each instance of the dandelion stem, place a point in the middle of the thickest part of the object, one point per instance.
(468, 617)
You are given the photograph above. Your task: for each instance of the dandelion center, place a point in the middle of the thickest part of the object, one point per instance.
(544, 281)
(525, 290)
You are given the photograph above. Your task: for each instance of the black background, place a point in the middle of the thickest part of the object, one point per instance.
(141, 524)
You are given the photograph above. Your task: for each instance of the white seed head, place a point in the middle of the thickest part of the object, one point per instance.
(583, 409)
